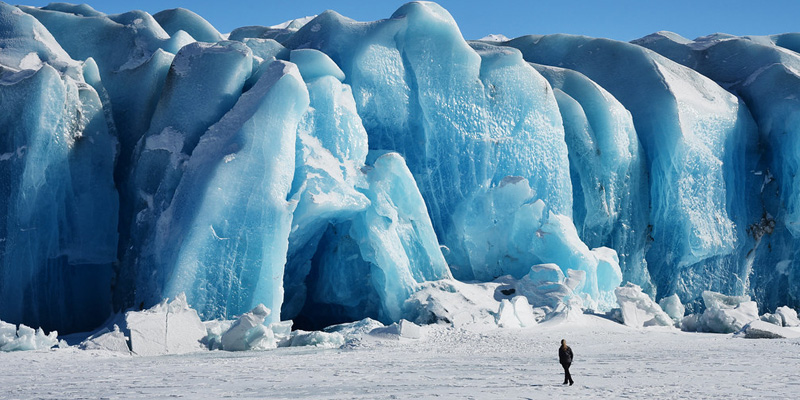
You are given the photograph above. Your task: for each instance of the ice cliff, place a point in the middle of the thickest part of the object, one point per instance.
(334, 170)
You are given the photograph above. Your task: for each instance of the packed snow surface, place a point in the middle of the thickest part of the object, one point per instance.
(611, 361)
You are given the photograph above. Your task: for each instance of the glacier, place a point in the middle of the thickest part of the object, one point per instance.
(329, 170)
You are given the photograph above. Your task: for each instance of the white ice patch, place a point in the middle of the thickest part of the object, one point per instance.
(294, 24)
(495, 37)
(30, 61)
(169, 139)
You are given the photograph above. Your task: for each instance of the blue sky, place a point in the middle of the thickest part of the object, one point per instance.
(616, 19)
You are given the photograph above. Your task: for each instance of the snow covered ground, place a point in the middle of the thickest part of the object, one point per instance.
(612, 361)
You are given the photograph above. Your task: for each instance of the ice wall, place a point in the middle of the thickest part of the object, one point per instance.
(229, 213)
(695, 135)
(610, 188)
(462, 119)
(329, 168)
(766, 78)
(58, 204)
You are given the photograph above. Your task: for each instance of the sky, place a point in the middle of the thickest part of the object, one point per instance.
(615, 19)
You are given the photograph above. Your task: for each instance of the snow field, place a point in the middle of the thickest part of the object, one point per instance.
(611, 361)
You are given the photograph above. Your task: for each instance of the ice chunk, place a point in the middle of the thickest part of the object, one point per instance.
(167, 328)
(523, 311)
(788, 316)
(8, 332)
(673, 307)
(249, 332)
(114, 341)
(638, 309)
(546, 286)
(24, 338)
(723, 314)
(403, 329)
(772, 319)
(465, 306)
(506, 317)
(355, 329)
(764, 330)
(317, 339)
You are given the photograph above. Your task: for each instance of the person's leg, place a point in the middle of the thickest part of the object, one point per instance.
(568, 375)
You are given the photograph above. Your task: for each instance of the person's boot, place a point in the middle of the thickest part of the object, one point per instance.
(571, 382)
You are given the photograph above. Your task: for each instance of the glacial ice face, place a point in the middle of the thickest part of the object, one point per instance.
(694, 135)
(223, 240)
(361, 237)
(203, 84)
(396, 236)
(607, 167)
(58, 203)
(324, 191)
(461, 118)
(767, 79)
(141, 52)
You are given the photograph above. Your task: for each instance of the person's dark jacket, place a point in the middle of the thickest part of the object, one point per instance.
(565, 355)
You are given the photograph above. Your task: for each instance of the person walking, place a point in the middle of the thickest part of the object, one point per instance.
(565, 358)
